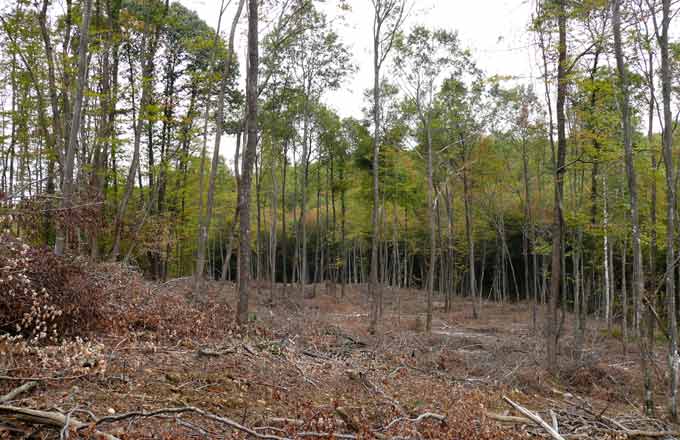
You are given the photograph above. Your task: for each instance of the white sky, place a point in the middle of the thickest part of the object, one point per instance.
(494, 31)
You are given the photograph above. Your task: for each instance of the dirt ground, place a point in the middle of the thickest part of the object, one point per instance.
(307, 368)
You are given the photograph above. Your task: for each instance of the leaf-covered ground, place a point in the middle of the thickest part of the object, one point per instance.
(307, 368)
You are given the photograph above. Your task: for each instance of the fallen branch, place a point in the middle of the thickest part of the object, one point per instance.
(508, 419)
(44, 378)
(536, 419)
(416, 420)
(28, 386)
(188, 409)
(54, 419)
(215, 353)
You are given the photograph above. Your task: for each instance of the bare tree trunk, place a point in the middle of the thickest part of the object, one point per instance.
(470, 239)
(373, 289)
(645, 330)
(607, 282)
(431, 210)
(272, 231)
(673, 357)
(383, 38)
(248, 158)
(558, 220)
(527, 215)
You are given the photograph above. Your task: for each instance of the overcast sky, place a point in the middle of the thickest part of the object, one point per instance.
(494, 30)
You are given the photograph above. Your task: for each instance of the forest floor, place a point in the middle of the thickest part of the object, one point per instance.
(307, 368)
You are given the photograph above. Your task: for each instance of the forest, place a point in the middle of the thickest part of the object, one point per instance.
(198, 242)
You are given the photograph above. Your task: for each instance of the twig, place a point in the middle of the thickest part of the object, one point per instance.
(44, 378)
(64, 433)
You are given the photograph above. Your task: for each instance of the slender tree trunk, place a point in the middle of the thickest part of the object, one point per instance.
(673, 357)
(375, 291)
(527, 216)
(607, 272)
(431, 209)
(248, 158)
(219, 118)
(272, 231)
(284, 237)
(645, 330)
(67, 186)
(558, 219)
(469, 238)
(133, 172)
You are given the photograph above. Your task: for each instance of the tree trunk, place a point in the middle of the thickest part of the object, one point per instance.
(673, 357)
(248, 158)
(607, 272)
(431, 210)
(469, 238)
(558, 219)
(373, 289)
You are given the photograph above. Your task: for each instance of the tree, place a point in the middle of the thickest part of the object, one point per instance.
(423, 58)
(638, 272)
(219, 118)
(552, 334)
(67, 186)
(389, 15)
(662, 36)
(247, 164)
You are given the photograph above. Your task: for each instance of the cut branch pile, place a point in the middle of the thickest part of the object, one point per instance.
(576, 419)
